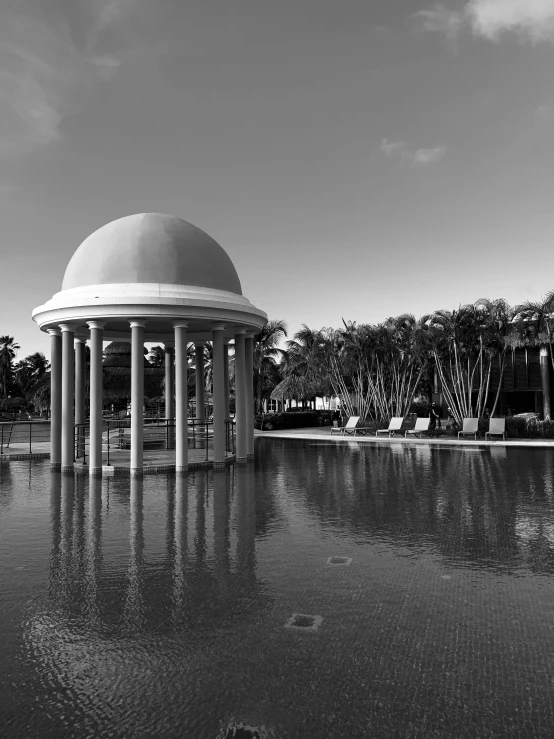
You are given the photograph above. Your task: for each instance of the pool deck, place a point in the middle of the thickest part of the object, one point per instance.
(324, 433)
(163, 460)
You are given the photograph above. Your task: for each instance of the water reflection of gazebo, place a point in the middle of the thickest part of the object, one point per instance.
(206, 558)
(156, 601)
(149, 278)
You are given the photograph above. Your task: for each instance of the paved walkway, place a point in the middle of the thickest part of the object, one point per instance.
(321, 433)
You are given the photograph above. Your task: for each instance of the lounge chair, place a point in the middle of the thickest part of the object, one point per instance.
(348, 428)
(394, 427)
(471, 426)
(497, 426)
(421, 425)
(363, 430)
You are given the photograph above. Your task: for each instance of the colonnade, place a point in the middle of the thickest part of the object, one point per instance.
(68, 393)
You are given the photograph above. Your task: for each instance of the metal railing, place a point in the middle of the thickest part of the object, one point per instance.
(82, 431)
(158, 433)
(23, 434)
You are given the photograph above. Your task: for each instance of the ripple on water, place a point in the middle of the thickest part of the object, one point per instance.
(156, 607)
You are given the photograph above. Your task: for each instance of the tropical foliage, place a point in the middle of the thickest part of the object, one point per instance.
(464, 344)
(266, 365)
(8, 351)
(376, 370)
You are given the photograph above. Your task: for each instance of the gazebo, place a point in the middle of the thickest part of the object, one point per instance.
(149, 277)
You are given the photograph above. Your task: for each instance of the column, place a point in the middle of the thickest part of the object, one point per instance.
(55, 399)
(79, 349)
(240, 396)
(545, 381)
(249, 366)
(199, 364)
(169, 381)
(170, 394)
(68, 392)
(181, 398)
(95, 434)
(218, 369)
(226, 377)
(137, 396)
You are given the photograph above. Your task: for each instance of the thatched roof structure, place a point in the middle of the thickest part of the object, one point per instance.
(118, 354)
(116, 372)
(294, 387)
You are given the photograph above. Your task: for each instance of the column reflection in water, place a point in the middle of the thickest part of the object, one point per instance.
(78, 539)
(67, 491)
(56, 522)
(246, 522)
(200, 538)
(180, 524)
(133, 611)
(93, 551)
(221, 527)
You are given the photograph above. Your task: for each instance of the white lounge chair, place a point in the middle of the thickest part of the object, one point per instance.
(471, 426)
(497, 426)
(394, 426)
(348, 428)
(421, 425)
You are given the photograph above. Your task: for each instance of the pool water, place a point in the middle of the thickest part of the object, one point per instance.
(345, 590)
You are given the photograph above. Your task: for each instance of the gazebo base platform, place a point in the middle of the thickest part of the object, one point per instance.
(155, 462)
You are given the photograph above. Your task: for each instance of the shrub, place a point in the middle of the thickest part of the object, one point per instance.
(287, 420)
(421, 409)
(11, 405)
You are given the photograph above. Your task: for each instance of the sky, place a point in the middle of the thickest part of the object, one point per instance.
(357, 160)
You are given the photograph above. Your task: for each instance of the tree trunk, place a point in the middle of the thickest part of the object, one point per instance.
(545, 382)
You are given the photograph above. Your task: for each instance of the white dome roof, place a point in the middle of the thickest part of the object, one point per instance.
(151, 248)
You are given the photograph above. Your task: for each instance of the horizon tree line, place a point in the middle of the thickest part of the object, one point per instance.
(377, 369)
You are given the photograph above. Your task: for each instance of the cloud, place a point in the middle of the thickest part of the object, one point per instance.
(43, 75)
(440, 19)
(393, 147)
(531, 20)
(407, 155)
(106, 14)
(429, 156)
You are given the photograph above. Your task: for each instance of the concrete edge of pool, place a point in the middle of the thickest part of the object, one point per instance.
(411, 441)
(305, 435)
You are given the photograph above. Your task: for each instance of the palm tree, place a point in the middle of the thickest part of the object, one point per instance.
(22, 374)
(499, 332)
(30, 371)
(464, 343)
(42, 397)
(38, 365)
(266, 353)
(156, 356)
(304, 359)
(535, 324)
(8, 350)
